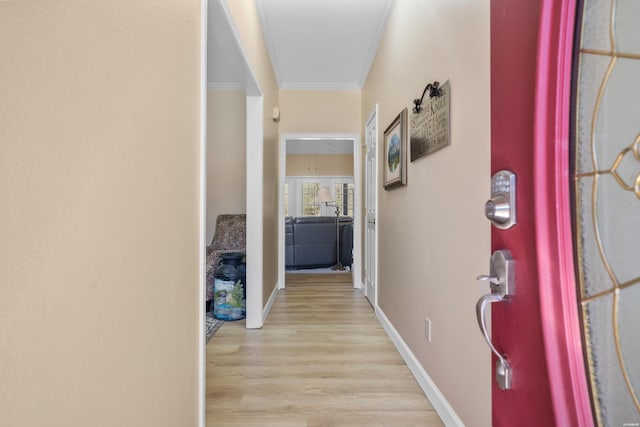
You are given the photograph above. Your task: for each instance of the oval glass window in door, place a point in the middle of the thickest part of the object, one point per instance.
(606, 189)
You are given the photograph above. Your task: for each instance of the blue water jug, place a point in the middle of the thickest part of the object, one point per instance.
(229, 294)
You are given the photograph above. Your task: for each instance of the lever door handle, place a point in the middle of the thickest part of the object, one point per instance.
(503, 369)
(487, 278)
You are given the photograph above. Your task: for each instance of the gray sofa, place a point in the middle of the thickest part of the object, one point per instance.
(310, 241)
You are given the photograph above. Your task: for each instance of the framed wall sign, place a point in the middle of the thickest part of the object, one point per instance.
(430, 126)
(395, 152)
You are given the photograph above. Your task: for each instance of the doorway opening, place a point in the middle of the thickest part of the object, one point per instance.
(319, 192)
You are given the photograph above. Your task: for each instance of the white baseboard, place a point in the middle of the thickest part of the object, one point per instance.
(272, 299)
(437, 399)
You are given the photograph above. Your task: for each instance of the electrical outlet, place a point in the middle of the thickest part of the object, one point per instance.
(427, 329)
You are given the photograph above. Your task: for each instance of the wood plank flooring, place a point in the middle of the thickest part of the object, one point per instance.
(322, 359)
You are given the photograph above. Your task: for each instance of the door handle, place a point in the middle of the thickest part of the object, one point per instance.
(503, 369)
(501, 281)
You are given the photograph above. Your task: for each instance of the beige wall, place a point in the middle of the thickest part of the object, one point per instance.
(320, 111)
(319, 165)
(226, 155)
(99, 160)
(247, 22)
(433, 237)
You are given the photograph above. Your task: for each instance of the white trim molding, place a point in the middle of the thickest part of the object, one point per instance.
(437, 399)
(255, 211)
(375, 43)
(356, 266)
(282, 163)
(275, 64)
(202, 216)
(320, 86)
(272, 299)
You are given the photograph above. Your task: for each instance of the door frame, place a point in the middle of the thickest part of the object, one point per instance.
(357, 199)
(554, 236)
(202, 216)
(222, 26)
(216, 19)
(372, 116)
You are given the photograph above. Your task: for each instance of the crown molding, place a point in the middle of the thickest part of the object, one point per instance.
(320, 86)
(375, 44)
(275, 65)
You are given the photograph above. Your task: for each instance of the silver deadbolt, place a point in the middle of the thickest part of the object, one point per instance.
(501, 280)
(501, 208)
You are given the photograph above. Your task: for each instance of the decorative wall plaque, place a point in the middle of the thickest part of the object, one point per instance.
(430, 129)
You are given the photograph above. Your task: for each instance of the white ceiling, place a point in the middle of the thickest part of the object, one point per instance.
(319, 146)
(313, 44)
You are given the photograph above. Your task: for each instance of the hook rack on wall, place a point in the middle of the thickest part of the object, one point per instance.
(434, 91)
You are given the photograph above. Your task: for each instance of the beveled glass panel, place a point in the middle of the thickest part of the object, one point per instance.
(618, 121)
(596, 25)
(594, 276)
(615, 403)
(607, 206)
(628, 169)
(629, 329)
(619, 225)
(593, 69)
(627, 19)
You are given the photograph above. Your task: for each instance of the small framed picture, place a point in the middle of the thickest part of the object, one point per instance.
(395, 152)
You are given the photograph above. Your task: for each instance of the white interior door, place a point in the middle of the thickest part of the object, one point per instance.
(370, 208)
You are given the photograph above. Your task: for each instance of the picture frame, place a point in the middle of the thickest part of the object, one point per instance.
(395, 152)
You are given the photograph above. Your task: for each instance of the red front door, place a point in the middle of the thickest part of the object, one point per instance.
(565, 112)
(514, 41)
(537, 328)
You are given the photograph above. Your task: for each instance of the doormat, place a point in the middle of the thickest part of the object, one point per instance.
(212, 325)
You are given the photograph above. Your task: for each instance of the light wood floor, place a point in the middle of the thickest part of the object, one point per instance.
(322, 359)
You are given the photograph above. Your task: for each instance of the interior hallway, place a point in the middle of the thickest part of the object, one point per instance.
(322, 359)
